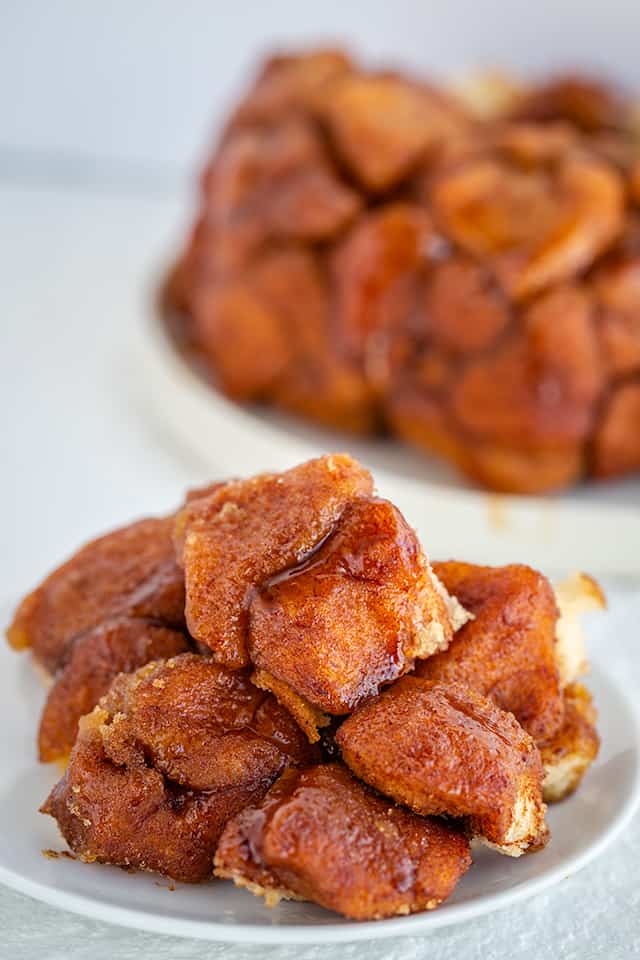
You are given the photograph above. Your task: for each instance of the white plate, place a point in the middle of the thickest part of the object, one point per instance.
(581, 827)
(580, 528)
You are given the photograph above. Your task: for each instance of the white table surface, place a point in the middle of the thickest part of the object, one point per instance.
(81, 452)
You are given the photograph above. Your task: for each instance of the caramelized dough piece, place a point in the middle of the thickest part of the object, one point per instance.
(290, 83)
(276, 183)
(582, 101)
(507, 652)
(115, 646)
(169, 755)
(568, 755)
(131, 571)
(543, 381)
(383, 125)
(353, 616)
(536, 210)
(518, 415)
(243, 334)
(425, 421)
(320, 382)
(374, 270)
(441, 748)
(233, 541)
(267, 335)
(321, 835)
(616, 445)
(507, 468)
(509, 392)
(465, 311)
(616, 288)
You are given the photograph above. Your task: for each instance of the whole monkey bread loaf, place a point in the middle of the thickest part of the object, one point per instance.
(372, 253)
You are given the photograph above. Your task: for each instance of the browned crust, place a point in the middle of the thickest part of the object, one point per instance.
(309, 718)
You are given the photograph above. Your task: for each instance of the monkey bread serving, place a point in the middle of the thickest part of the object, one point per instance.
(275, 685)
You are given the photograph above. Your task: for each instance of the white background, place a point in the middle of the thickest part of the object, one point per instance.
(105, 111)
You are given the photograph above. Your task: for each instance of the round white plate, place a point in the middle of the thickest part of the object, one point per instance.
(579, 528)
(581, 828)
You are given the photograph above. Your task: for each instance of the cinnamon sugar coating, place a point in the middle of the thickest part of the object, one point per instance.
(230, 542)
(507, 651)
(118, 645)
(441, 748)
(323, 634)
(353, 616)
(167, 757)
(129, 572)
(322, 587)
(321, 835)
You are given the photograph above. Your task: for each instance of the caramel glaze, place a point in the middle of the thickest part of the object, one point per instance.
(322, 587)
(340, 624)
(171, 752)
(443, 749)
(128, 573)
(507, 652)
(323, 836)
(131, 571)
(118, 645)
(235, 539)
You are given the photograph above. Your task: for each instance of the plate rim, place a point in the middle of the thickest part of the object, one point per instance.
(419, 924)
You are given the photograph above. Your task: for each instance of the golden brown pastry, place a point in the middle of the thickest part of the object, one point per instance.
(508, 650)
(118, 645)
(351, 617)
(442, 748)
(383, 125)
(167, 757)
(370, 254)
(617, 441)
(533, 205)
(301, 156)
(616, 288)
(309, 600)
(322, 587)
(568, 755)
(113, 606)
(376, 269)
(265, 335)
(524, 215)
(321, 835)
(129, 572)
(581, 101)
(248, 530)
